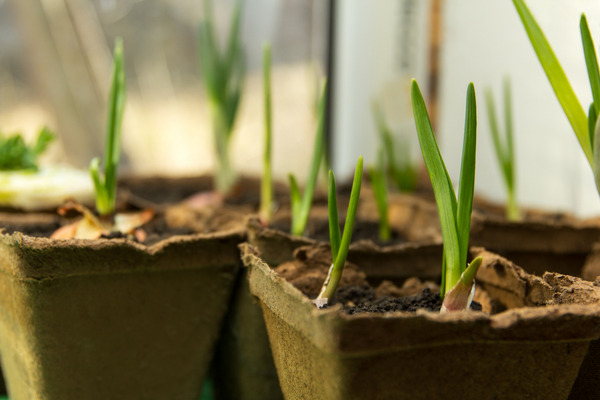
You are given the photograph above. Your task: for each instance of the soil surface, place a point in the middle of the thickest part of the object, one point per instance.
(172, 221)
(156, 193)
(365, 298)
(311, 266)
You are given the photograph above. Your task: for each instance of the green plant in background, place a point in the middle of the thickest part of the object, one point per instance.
(586, 128)
(505, 153)
(300, 204)
(455, 214)
(377, 176)
(339, 242)
(105, 183)
(399, 166)
(16, 155)
(317, 82)
(266, 184)
(223, 76)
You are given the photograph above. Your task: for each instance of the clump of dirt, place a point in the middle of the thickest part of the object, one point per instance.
(355, 301)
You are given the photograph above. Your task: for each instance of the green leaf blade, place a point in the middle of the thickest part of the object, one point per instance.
(45, 137)
(467, 177)
(301, 213)
(501, 153)
(115, 118)
(223, 76)
(378, 181)
(337, 267)
(558, 79)
(266, 183)
(591, 62)
(351, 214)
(442, 187)
(335, 236)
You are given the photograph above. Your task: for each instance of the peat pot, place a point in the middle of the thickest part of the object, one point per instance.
(244, 366)
(528, 344)
(112, 318)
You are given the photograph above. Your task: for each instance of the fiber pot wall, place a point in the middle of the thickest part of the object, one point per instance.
(541, 242)
(526, 352)
(112, 318)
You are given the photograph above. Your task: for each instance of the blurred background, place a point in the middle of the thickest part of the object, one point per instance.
(55, 67)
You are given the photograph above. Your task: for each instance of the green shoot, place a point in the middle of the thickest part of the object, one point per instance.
(339, 242)
(301, 204)
(455, 215)
(460, 296)
(105, 184)
(401, 169)
(504, 150)
(266, 184)
(584, 127)
(16, 155)
(378, 181)
(223, 76)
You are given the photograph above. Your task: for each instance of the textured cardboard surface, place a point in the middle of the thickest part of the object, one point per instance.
(524, 352)
(244, 368)
(541, 242)
(112, 318)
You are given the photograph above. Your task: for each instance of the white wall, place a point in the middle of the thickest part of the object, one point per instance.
(484, 41)
(369, 65)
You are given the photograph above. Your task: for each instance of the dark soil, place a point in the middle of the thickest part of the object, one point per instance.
(363, 298)
(180, 222)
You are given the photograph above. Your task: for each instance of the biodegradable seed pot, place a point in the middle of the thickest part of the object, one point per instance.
(112, 318)
(531, 350)
(245, 366)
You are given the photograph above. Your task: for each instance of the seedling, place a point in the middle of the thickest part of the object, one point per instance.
(585, 127)
(16, 155)
(339, 242)
(266, 184)
(300, 204)
(377, 176)
(504, 148)
(223, 75)
(455, 215)
(105, 184)
(399, 165)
